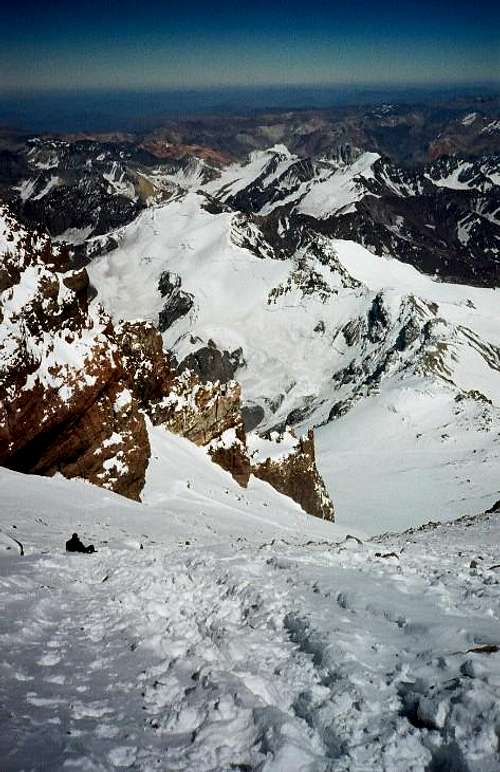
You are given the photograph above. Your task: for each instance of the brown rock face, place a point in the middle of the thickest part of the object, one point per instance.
(64, 402)
(163, 149)
(107, 445)
(208, 414)
(74, 389)
(199, 411)
(230, 452)
(297, 476)
(149, 370)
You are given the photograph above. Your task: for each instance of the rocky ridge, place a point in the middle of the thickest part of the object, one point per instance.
(291, 472)
(441, 218)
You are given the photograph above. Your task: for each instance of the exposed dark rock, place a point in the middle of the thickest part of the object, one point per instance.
(408, 335)
(178, 304)
(83, 201)
(378, 319)
(300, 413)
(297, 477)
(252, 416)
(259, 192)
(339, 409)
(168, 283)
(211, 364)
(352, 332)
(485, 648)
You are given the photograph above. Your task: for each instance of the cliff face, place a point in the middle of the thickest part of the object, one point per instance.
(230, 452)
(294, 473)
(75, 390)
(208, 414)
(199, 411)
(150, 371)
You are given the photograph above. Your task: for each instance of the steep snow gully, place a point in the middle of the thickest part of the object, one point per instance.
(334, 655)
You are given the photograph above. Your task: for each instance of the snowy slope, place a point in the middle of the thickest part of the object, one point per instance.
(233, 650)
(245, 634)
(186, 496)
(313, 349)
(234, 304)
(341, 188)
(408, 455)
(420, 454)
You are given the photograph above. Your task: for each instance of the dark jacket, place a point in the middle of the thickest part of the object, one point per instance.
(75, 545)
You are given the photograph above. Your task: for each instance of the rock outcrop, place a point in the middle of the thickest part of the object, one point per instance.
(211, 364)
(177, 302)
(150, 371)
(230, 452)
(291, 468)
(75, 389)
(199, 411)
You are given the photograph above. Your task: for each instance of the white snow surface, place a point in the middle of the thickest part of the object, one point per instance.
(453, 180)
(340, 189)
(244, 635)
(469, 119)
(276, 448)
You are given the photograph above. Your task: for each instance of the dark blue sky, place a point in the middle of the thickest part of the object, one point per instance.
(81, 44)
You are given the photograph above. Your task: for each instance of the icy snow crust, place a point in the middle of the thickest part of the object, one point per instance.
(244, 634)
(293, 344)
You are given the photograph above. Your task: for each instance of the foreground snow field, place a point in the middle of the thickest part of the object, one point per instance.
(244, 635)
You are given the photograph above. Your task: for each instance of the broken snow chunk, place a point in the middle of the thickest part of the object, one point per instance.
(276, 448)
(114, 439)
(122, 401)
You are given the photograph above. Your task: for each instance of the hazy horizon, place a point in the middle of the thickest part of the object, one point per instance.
(123, 64)
(132, 109)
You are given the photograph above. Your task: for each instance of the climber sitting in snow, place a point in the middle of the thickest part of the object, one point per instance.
(75, 545)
